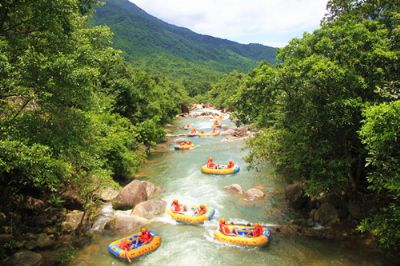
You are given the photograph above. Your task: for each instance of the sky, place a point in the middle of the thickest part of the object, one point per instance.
(269, 22)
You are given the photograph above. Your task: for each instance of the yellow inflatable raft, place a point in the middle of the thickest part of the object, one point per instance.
(242, 239)
(191, 219)
(208, 134)
(183, 147)
(221, 170)
(141, 249)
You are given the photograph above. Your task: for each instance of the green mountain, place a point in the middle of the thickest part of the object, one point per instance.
(176, 52)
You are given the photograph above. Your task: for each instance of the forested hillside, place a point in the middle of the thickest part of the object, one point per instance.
(328, 114)
(75, 117)
(177, 52)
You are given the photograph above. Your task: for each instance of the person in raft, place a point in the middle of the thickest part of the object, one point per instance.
(213, 130)
(216, 123)
(201, 210)
(176, 207)
(182, 143)
(189, 142)
(193, 131)
(223, 228)
(202, 132)
(230, 164)
(144, 237)
(126, 245)
(257, 231)
(211, 164)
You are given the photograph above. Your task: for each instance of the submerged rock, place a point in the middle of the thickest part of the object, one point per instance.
(234, 188)
(253, 194)
(24, 258)
(150, 208)
(125, 224)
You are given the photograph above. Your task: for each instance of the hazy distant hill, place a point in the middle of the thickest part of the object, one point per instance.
(175, 51)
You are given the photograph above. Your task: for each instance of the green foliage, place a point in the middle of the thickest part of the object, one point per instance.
(309, 109)
(381, 135)
(195, 60)
(23, 166)
(222, 94)
(73, 111)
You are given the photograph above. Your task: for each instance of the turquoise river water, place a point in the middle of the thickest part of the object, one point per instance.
(178, 173)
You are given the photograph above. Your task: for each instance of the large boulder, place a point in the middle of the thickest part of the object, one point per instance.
(45, 241)
(150, 208)
(151, 189)
(295, 195)
(24, 258)
(132, 194)
(72, 199)
(253, 194)
(234, 188)
(125, 224)
(228, 132)
(72, 221)
(240, 132)
(107, 194)
(326, 214)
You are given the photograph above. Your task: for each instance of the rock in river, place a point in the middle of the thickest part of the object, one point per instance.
(234, 188)
(125, 224)
(253, 194)
(107, 194)
(135, 192)
(150, 208)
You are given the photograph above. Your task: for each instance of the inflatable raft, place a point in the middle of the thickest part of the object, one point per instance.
(221, 170)
(141, 249)
(191, 219)
(241, 239)
(208, 134)
(183, 147)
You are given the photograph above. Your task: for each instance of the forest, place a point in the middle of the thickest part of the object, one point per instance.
(328, 112)
(74, 114)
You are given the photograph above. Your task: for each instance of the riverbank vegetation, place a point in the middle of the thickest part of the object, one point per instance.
(328, 112)
(74, 115)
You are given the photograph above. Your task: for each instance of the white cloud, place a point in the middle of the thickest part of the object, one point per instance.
(270, 22)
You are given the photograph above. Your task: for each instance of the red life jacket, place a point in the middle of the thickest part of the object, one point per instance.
(176, 207)
(257, 231)
(145, 237)
(210, 164)
(124, 244)
(223, 228)
(231, 165)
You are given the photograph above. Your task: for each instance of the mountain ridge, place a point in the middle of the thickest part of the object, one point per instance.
(177, 52)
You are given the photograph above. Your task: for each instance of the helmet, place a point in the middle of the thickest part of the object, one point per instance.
(175, 201)
(210, 158)
(230, 161)
(143, 229)
(222, 220)
(202, 206)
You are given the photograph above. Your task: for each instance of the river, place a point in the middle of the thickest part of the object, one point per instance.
(178, 173)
